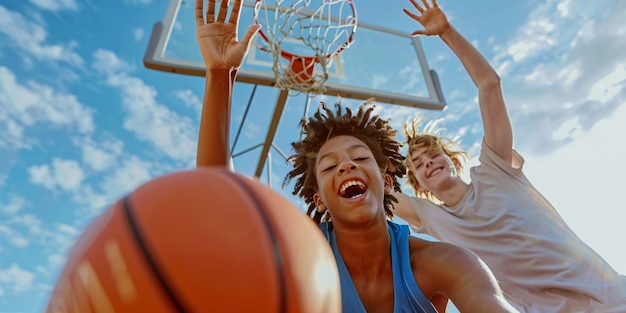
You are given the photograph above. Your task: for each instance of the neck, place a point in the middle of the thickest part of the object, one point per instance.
(452, 195)
(365, 249)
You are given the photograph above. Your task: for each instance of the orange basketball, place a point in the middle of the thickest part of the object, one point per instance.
(301, 69)
(205, 240)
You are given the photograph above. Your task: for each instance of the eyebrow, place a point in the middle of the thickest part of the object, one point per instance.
(413, 159)
(351, 148)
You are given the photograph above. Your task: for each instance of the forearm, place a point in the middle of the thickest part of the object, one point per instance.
(497, 127)
(404, 209)
(213, 137)
(478, 68)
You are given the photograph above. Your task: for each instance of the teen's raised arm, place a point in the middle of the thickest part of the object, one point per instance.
(223, 54)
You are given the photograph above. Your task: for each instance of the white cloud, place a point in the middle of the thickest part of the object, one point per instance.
(24, 105)
(16, 278)
(138, 1)
(56, 260)
(15, 204)
(59, 239)
(584, 180)
(106, 62)
(571, 74)
(138, 33)
(67, 229)
(42, 175)
(117, 182)
(30, 222)
(56, 5)
(14, 237)
(150, 121)
(605, 89)
(31, 38)
(64, 174)
(100, 156)
(190, 100)
(126, 177)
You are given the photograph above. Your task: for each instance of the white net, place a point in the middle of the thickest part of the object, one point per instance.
(304, 37)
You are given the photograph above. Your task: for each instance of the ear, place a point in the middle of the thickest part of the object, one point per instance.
(457, 166)
(457, 163)
(388, 181)
(321, 207)
(417, 187)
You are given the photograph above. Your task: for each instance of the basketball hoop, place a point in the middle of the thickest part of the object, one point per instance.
(304, 39)
(300, 70)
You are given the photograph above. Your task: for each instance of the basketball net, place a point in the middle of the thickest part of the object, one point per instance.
(324, 28)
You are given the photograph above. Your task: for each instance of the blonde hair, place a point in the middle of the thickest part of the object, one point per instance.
(430, 138)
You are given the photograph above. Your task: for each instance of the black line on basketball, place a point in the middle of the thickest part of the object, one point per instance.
(151, 262)
(274, 241)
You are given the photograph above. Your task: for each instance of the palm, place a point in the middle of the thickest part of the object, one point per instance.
(434, 21)
(432, 18)
(219, 46)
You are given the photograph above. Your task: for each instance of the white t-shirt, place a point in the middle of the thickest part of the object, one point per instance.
(540, 263)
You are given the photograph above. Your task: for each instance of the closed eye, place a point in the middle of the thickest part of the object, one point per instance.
(329, 168)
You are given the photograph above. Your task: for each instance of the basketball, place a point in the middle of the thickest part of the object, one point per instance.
(204, 240)
(301, 70)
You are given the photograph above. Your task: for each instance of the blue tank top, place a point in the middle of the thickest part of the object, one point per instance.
(408, 297)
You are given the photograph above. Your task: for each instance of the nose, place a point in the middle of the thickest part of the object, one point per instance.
(428, 162)
(347, 166)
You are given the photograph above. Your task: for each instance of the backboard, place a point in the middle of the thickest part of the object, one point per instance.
(382, 63)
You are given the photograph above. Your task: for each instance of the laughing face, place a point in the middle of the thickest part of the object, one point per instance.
(350, 184)
(433, 169)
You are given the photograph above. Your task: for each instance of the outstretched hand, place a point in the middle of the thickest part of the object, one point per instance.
(220, 48)
(432, 18)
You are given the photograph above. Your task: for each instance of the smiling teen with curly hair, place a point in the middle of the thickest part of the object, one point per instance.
(325, 124)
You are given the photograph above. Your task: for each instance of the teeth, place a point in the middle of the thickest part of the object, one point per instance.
(435, 172)
(350, 184)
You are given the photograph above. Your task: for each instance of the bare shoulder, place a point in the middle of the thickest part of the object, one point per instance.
(444, 268)
(433, 253)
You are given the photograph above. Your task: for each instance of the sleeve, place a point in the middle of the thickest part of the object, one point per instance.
(422, 210)
(489, 158)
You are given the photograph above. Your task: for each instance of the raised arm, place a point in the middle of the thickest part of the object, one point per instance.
(496, 123)
(223, 54)
(405, 210)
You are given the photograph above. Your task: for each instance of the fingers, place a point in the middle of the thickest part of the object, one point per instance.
(199, 13)
(426, 4)
(411, 14)
(210, 12)
(234, 15)
(417, 6)
(247, 37)
(221, 16)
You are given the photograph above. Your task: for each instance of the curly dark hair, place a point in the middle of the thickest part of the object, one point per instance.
(375, 132)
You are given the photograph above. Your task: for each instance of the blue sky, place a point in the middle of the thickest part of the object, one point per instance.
(82, 122)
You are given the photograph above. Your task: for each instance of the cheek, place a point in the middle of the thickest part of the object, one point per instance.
(419, 174)
(323, 182)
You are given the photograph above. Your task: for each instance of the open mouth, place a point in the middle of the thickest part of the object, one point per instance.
(435, 172)
(352, 189)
